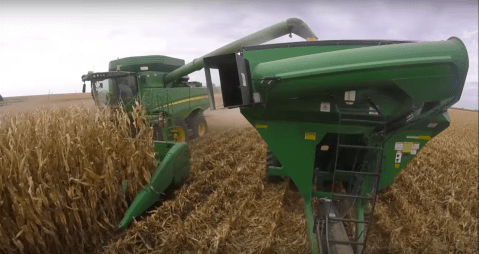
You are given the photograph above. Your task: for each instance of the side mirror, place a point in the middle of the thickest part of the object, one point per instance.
(84, 88)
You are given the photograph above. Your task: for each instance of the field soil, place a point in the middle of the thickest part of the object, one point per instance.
(28, 103)
(225, 206)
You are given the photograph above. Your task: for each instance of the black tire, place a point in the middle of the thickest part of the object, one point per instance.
(271, 160)
(182, 134)
(198, 125)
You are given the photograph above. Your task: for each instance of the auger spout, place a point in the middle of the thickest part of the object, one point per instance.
(289, 26)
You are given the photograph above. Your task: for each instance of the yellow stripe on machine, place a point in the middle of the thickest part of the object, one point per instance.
(310, 135)
(186, 100)
(425, 137)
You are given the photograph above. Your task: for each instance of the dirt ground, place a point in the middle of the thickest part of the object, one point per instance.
(15, 105)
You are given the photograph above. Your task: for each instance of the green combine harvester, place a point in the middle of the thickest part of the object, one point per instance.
(174, 109)
(341, 118)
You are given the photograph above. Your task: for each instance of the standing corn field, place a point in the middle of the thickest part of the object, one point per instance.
(60, 176)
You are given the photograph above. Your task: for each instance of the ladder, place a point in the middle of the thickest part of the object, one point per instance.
(367, 172)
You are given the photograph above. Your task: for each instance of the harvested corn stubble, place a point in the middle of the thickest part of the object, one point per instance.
(226, 207)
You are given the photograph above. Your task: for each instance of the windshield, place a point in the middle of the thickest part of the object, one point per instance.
(127, 88)
(114, 91)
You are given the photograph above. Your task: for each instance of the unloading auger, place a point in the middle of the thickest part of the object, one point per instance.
(341, 118)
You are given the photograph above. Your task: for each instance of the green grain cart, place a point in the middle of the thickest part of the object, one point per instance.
(341, 118)
(140, 79)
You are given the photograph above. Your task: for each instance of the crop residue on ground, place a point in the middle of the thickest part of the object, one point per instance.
(63, 171)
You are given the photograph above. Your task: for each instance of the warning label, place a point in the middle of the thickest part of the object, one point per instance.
(398, 146)
(407, 147)
(415, 145)
(325, 107)
(310, 135)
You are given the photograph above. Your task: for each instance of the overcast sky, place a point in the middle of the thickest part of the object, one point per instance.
(45, 47)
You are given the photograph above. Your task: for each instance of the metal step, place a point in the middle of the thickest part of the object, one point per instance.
(355, 116)
(336, 231)
(350, 196)
(360, 147)
(360, 113)
(349, 220)
(350, 111)
(363, 121)
(357, 173)
(345, 242)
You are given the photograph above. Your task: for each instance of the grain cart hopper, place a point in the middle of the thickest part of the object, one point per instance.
(341, 118)
(139, 78)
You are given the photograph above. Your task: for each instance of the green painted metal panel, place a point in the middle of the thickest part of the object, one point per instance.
(414, 67)
(273, 54)
(418, 134)
(153, 62)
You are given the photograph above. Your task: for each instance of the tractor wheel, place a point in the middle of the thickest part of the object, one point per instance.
(198, 124)
(157, 133)
(182, 134)
(271, 160)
